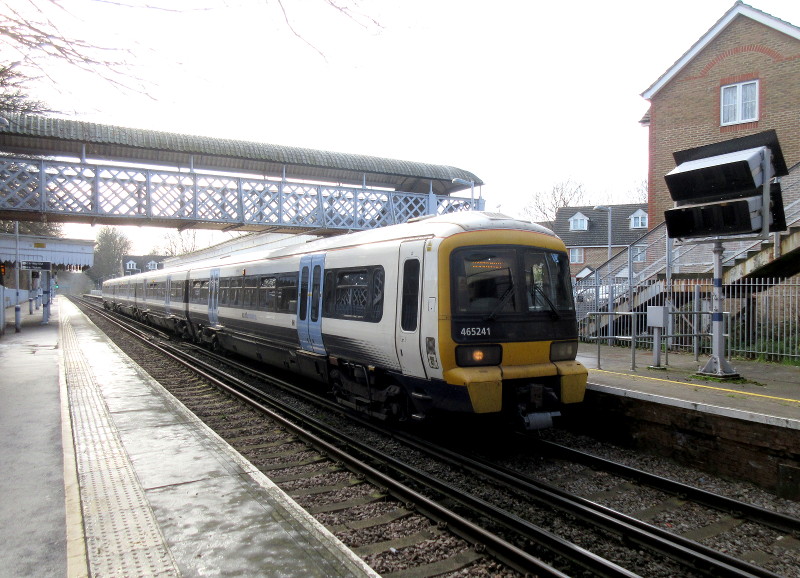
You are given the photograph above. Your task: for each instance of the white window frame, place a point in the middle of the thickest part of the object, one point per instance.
(131, 265)
(578, 222)
(639, 220)
(152, 265)
(576, 255)
(639, 253)
(738, 116)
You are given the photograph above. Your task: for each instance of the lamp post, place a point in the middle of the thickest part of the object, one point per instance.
(472, 190)
(609, 210)
(609, 280)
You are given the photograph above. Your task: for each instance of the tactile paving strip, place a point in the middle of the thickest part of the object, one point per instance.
(122, 537)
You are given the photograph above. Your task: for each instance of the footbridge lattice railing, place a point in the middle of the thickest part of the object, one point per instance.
(86, 192)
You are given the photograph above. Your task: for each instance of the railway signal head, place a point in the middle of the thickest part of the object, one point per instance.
(726, 189)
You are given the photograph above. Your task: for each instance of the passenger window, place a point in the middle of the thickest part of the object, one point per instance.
(315, 285)
(303, 296)
(410, 305)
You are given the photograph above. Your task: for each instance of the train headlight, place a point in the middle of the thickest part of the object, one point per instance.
(563, 350)
(472, 355)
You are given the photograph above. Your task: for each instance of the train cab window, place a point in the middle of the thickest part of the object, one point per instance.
(547, 281)
(484, 280)
(410, 305)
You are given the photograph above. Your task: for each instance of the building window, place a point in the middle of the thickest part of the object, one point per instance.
(639, 220)
(638, 253)
(131, 266)
(576, 255)
(578, 222)
(152, 265)
(739, 103)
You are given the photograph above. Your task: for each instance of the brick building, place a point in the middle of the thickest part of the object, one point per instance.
(584, 230)
(742, 77)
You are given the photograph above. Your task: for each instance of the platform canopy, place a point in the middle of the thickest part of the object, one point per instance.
(46, 136)
(62, 253)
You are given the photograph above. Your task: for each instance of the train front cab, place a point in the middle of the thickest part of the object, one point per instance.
(507, 326)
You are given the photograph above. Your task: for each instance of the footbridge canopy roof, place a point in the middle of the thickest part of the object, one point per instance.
(49, 136)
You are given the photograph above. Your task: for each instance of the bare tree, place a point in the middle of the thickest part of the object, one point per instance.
(639, 191)
(13, 94)
(14, 99)
(544, 205)
(178, 243)
(30, 32)
(111, 246)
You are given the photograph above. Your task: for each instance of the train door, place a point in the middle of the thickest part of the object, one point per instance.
(407, 333)
(213, 297)
(309, 303)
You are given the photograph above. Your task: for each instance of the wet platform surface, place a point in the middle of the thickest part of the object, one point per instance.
(114, 477)
(106, 474)
(766, 392)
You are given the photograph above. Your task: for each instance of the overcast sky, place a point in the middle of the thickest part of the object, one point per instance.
(525, 94)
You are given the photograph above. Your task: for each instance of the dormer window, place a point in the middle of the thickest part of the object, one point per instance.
(130, 265)
(152, 266)
(739, 103)
(578, 222)
(639, 220)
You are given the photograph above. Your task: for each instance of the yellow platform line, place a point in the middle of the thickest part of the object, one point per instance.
(703, 386)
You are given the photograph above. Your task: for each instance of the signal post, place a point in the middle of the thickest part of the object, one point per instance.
(724, 191)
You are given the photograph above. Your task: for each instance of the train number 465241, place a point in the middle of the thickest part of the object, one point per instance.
(476, 331)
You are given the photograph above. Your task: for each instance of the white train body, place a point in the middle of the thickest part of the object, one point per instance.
(466, 312)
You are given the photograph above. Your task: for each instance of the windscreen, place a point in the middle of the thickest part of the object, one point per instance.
(501, 280)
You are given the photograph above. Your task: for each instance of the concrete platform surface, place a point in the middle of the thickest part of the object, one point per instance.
(134, 484)
(766, 392)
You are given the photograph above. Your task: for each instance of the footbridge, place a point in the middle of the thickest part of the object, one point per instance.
(63, 170)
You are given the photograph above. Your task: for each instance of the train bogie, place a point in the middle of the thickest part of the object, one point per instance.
(467, 313)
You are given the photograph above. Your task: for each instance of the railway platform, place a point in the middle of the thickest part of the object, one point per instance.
(767, 393)
(106, 474)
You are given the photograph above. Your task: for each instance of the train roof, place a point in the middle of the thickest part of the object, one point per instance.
(428, 226)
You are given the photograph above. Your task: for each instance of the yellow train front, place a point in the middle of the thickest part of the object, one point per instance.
(506, 325)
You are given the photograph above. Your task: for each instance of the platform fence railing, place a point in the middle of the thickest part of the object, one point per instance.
(761, 319)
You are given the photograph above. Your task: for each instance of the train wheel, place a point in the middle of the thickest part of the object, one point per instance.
(399, 406)
(214, 345)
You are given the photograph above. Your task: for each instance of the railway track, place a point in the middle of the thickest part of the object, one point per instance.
(505, 500)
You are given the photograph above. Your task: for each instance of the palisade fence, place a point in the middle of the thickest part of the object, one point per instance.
(762, 315)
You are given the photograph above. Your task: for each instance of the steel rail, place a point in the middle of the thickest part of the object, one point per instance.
(686, 551)
(496, 546)
(630, 529)
(772, 519)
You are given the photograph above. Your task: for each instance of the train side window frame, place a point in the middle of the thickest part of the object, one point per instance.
(286, 293)
(267, 293)
(346, 297)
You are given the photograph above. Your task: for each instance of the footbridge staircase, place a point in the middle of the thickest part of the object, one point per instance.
(658, 271)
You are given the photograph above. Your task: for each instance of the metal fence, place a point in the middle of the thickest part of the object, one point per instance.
(762, 318)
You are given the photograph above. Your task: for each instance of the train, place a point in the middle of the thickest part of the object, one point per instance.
(466, 313)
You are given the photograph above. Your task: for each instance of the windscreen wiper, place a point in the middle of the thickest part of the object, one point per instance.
(503, 299)
(553, 311)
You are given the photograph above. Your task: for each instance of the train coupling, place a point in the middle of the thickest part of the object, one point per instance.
(538, 420)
